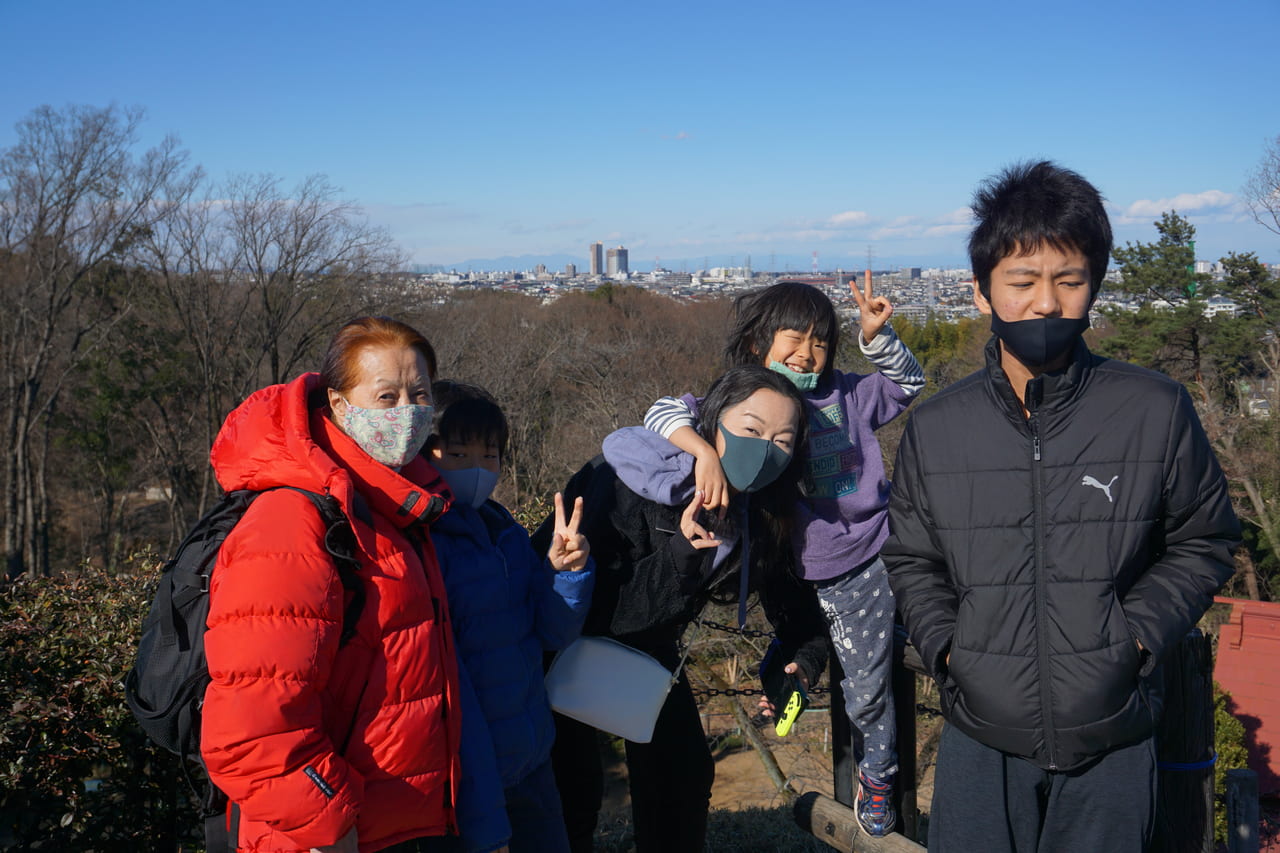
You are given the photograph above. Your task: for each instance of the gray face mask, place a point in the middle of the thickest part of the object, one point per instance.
(751, 463)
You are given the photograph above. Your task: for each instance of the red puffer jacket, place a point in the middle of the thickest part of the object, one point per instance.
(307, 738)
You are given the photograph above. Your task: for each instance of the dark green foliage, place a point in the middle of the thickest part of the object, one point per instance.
(947, 351)
(1168, 331)
(1228, 743)
(65, 645)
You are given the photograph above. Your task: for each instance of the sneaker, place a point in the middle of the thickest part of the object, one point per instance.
(874, 806)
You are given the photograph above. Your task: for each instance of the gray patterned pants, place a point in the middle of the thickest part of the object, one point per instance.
(859, 609)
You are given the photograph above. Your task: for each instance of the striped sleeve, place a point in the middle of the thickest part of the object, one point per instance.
(668, 415)
(892, 358)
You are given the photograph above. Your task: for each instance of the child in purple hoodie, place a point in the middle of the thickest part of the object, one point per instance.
(842, 518)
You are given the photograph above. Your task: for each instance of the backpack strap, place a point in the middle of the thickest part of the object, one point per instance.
(340, 542)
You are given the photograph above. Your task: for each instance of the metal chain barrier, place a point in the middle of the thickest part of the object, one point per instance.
(743, 691)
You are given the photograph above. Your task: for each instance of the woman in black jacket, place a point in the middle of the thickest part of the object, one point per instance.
(659, 560)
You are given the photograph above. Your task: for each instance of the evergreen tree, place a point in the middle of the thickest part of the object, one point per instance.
(1168, 331)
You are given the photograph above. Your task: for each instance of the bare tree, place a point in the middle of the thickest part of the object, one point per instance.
(307, 261)
(74, 201)
(203, 309)
(1262, 191)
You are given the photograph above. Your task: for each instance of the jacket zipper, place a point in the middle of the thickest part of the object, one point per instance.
(1033, 394)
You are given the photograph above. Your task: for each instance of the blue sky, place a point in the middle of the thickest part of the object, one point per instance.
(684, 130)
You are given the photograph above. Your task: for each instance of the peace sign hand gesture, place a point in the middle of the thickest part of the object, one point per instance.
(875, 310)
(698, 536)
(569, 548)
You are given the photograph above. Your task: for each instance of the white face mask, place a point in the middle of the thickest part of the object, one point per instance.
(391, 436)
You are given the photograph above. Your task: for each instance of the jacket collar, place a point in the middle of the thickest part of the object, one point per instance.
(416, 493)
(1049, 392)
(282, 436)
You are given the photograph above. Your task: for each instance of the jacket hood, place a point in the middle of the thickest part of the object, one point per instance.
(281, 436)
(649, 465)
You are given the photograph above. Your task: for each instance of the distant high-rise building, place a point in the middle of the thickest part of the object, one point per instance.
(597, 258)
(570, 270)
(617, 261)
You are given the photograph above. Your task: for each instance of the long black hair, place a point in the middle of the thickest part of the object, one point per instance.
(772, 508)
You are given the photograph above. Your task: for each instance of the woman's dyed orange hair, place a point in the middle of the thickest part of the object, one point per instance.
(339, 370)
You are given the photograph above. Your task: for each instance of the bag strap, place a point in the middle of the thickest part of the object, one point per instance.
(340, 542)
(688, 647)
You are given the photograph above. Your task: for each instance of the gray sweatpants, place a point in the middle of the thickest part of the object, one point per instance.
(859, 610)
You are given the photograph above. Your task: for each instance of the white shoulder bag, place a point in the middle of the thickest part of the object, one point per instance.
(611, 686)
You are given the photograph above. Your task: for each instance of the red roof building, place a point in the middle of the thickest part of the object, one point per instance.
(1248, 668)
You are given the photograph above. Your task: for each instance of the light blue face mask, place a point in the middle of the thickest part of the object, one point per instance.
(471, 486)
(751, 463)
(802, 381)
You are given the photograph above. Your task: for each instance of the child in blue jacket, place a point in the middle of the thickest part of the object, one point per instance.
(508, 606)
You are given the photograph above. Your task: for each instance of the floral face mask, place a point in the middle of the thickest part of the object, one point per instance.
(391, 436)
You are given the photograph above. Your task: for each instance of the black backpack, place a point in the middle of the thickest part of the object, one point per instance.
(165, 689)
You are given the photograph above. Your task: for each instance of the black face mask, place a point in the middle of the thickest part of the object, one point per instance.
(1041, 341)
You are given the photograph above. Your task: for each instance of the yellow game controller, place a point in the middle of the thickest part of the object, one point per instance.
(797, 701)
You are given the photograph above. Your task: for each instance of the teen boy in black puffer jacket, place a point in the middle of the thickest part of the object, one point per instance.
(1058, 522)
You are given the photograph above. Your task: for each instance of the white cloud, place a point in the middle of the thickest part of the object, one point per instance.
(849, 218)
(1184, 203)
(957, 221)
(959, 216)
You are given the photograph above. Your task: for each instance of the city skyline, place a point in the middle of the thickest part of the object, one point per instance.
(479, 132)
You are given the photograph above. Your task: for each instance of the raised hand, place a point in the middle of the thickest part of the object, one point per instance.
(698, 536)
(569, 548)
(875, 310)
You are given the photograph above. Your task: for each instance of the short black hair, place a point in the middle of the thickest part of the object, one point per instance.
(1034, 204)
(761, 314)
(464, 412)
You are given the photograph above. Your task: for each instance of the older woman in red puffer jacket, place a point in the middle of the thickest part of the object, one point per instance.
(321, 744)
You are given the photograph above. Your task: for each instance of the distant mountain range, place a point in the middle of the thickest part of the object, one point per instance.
(785, 263)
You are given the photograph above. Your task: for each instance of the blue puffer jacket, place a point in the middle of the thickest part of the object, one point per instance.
(508, 606)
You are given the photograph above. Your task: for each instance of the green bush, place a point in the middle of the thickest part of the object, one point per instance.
(76, 773)
(1228, 742)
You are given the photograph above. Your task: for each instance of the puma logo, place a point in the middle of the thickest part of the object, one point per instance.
(1090, 481)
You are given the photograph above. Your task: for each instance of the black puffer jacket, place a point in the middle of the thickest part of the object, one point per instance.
(1035, 551)
(651, 583)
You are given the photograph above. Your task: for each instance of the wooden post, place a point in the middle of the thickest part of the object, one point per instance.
(844, 758)
(835, 824)
(846, 743)
(1242, 812)
(904, 703)
(1184, 740)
